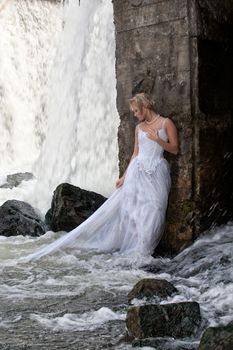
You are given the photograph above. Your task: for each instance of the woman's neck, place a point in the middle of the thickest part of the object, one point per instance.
(151, 117)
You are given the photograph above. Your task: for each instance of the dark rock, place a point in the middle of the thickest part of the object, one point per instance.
(151, 287)
(71, 206)
(15, 180)
(169, 320)
(164, 344)
(19, 218)
(217, 338)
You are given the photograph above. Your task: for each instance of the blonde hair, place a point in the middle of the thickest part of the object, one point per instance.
(142, 100)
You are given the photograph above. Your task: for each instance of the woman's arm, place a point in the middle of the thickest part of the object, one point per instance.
(120, 181)
(172, 145)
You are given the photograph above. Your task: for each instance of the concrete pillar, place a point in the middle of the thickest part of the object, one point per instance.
(180, 52)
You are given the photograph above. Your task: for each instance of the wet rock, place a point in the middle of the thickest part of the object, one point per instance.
(19, 218)
(71, 206)
(170, 320)
(15, 180)
(151, 287)
(164, 344)
(217, 338)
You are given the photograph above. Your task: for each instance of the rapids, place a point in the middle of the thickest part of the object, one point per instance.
(79, 299)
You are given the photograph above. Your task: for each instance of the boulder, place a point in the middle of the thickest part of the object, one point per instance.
(177, 320)
(217, 338)
(164, 344)
(14, 180)
(71, 206)
(19, 218)
(151, 288)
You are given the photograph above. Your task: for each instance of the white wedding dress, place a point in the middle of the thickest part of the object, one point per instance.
(132, 219)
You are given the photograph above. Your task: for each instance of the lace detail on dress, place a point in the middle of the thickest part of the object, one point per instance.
(149, 170)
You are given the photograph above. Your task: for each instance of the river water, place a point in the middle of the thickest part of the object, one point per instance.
(55, 98)
(78, 300)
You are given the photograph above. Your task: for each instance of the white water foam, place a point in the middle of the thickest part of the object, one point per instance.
(72, 322)
(28, 42)
(81, 140)
(202, 273)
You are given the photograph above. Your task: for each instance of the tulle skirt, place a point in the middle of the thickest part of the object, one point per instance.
(131, 220)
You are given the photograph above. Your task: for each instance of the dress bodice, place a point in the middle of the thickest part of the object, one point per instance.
(150, 152)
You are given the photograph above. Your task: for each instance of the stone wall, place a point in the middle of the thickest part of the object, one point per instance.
(161, 49)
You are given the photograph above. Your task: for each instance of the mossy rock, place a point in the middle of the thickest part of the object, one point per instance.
(217, 338)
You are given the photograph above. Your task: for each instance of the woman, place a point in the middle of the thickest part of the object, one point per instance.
(132, 219)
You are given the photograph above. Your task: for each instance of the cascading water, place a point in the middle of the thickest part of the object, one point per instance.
(81, 140)
(29, 35)
(63, 99)
(75, 299)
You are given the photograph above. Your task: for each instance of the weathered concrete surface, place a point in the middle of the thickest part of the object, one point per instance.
(161, 49)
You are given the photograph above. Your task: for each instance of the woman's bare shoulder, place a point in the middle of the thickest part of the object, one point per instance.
(138, 126)
(166, 121)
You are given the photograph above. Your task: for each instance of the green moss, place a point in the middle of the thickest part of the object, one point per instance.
(217, 338)
(187, 207)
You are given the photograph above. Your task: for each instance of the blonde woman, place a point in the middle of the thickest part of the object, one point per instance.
(146, 182)
(132, 219)
(153, 125)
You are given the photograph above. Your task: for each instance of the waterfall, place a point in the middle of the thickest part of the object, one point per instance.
(29, 34)
(58, 95)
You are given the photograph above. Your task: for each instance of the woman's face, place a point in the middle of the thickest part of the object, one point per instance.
(139, 114)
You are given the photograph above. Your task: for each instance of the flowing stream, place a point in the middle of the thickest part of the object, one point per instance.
(78, 300)
(58, 119)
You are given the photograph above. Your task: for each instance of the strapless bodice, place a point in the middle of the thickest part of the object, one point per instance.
(150, 152)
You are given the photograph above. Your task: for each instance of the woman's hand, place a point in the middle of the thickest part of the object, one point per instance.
(172, 145)
(153, 135)
(120, 182)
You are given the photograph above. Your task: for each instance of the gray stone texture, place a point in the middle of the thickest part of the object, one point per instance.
(180, 52)
(152, 288)
(179, 320)
(71, 206)
(217, 338)
(20, 218)
(14, 180)
(164, 344)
